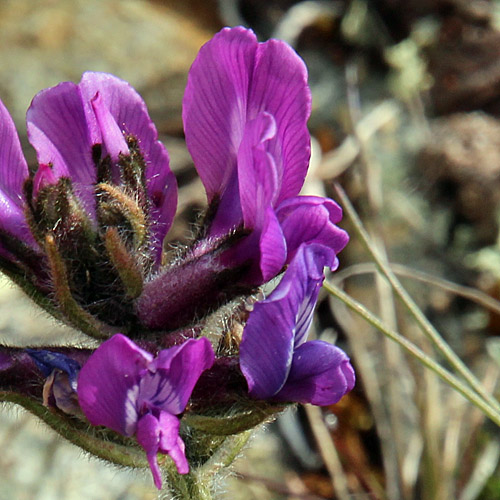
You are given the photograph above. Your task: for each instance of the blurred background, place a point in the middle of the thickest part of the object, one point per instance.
(406, 106)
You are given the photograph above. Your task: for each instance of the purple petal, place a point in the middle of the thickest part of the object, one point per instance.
(232, 81)
(280, 323)
(279, 86)
(130, 114)
(171, 443)
(5, 361)
(306, 271)
(148, 436)
(59, 132)
(13, 173)
(228, 214)
(161, 435)
(264, 249)
(108, 384)
(272, 247)
(112, 137)
(320, 374)
(13, 167)
(173, 374)
(257, 174)
(311, 219)
(48, 361)
(215, 103)
(266, 349)
(65, 121)
(43, 177)
(12, 220)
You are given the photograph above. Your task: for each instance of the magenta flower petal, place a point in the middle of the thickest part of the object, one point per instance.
(173, 375)
(59, 132)
(232, 81)
(272, 246)
(124, 388)
(279, 87)
(311, 219)
(320, 374)
(148, 436)
(171, 443)
(258, 176)
(13, 173)
(108, 384)
(131, 116)
(13, 167)
(161, 434)
(264, 250)
(215, 103)
(277, 328)
(66, 121)
(44, 176)
(229, 214)
(112, 137)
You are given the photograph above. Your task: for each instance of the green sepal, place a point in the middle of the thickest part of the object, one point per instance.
(71, 310)
(234, 420)
(124, 262)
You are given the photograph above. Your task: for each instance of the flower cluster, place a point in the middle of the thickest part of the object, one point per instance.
(83, 235)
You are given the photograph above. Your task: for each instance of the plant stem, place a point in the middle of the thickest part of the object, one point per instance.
(412, 307)
(74, 432)
(226, 453)
(189, 486)
(198, 484)
(491, 412)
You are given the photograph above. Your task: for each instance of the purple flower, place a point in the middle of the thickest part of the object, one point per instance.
(65, 124)
(245, 115)
(77, 130)
(275, 358)
(125, 388)
(86, 230)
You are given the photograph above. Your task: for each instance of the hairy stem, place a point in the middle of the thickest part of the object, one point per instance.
(78, 434)
(198, 484)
